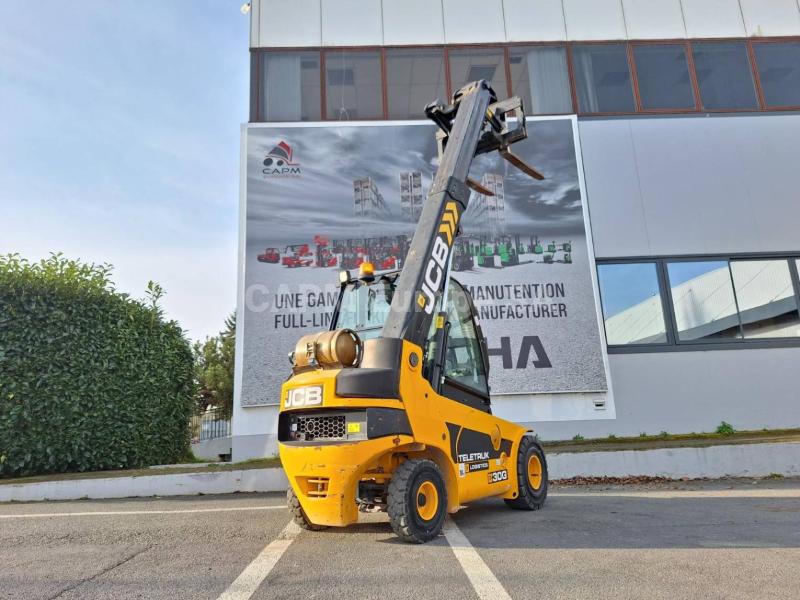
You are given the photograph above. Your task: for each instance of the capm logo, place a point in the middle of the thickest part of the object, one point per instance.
(279, 162)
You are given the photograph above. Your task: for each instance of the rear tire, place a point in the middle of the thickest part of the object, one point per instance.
(298, 514)
(531, 476)
(417, 501)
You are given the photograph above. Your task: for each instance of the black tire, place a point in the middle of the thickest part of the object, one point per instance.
(407, 501)
(529, 497)
(298, 514)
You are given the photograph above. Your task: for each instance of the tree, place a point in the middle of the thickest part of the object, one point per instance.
(214, 362)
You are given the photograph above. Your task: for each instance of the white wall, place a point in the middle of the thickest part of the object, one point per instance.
(255, 428)
(770, 17)
(713, 18)
(255, 432)
(682, 392)
(594, 20)
(686, 185)
(654, 19)
(692, 185)
(279, 23)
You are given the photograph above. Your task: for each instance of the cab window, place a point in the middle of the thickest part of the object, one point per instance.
(463, 361)
(364, 306)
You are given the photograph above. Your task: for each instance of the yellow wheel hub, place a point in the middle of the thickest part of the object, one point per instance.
(534, 471)
(427, 500)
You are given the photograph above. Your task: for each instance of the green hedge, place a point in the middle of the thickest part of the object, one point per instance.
(90, 379)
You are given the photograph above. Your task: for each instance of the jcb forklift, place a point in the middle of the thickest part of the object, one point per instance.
(390, 409)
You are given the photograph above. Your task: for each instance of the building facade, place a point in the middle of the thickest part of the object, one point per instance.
(688, 118)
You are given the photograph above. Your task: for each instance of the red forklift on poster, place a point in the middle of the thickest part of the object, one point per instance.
(325, 255)
(297, 255)
(270, 255)
(353, 252)
(388, 252)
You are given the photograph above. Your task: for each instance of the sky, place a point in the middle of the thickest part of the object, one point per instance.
(120, 141)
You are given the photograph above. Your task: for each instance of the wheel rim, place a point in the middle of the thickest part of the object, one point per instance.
(534, 471)
(427, 500)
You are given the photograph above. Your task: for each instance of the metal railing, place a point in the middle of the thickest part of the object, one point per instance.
(210, 424)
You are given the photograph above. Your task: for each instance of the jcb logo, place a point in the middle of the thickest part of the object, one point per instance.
(303, 396)
(437, 263)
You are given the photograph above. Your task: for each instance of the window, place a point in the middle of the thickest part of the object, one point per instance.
(353, 85)
(722, 302)
(463, 362)
(365, 306)
(540, 77)
(779, 70)
(724, 75)
(703, 301)
(766, 298)
(663, 75)
(603, 78)
(632, 309)
(291, 87)
(413, 79)
(471, 65)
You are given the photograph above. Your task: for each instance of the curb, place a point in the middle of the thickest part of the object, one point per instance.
(747, 460)
(180, 484)
(713, 462)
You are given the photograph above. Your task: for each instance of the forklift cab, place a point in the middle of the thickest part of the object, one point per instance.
(363, 306)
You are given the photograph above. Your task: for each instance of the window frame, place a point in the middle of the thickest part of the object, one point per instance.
(750, 43)
(667, 292)
(324, 52)
(673, 343)
(640, 108)
(757, 72)
(791, 264)
(385, 72)
(664, 309)
(504, 48)
(748, 48)
(568, 60)
(574, 81)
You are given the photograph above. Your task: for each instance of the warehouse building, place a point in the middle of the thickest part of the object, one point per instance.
(368, 202)
(486, 214)
(689, 136)
(411, 195)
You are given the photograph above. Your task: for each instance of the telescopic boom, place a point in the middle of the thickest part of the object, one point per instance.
(474, 123)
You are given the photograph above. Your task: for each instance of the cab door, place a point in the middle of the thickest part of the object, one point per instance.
(466, 365)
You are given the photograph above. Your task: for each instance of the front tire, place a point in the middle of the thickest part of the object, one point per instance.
(417, 501)
(298, 514)
(531, 476)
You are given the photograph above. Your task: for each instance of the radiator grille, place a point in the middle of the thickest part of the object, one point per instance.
(321, 427)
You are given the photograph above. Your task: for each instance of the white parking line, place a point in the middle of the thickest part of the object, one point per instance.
(138, 512)
(483, 581)
(248, 581)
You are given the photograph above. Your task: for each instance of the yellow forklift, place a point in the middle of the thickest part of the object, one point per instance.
(390, 409)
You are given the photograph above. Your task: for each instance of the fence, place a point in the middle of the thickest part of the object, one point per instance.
(210, 424)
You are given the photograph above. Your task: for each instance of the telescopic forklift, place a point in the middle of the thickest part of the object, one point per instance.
(390, 409)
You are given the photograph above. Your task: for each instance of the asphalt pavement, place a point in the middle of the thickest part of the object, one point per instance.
(726, 539)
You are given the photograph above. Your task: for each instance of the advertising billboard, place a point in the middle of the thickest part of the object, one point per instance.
(325, 197)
